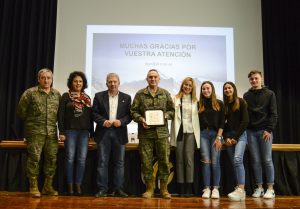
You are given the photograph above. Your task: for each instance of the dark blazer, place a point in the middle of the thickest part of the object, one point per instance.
(100, 112)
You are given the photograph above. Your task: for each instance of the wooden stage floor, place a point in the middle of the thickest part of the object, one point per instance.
(22, 200)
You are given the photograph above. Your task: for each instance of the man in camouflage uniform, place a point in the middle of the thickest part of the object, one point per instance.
(38, 108)
(153, 137)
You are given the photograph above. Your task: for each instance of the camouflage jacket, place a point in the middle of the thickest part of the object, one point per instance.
(143, 101)
(39, 111)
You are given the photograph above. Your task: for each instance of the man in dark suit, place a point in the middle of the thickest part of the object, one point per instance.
(111, 112)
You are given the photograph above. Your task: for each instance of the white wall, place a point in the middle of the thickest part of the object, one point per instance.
(244, 16)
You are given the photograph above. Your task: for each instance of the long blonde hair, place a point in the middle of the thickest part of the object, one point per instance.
(179, 95)
(214, 101)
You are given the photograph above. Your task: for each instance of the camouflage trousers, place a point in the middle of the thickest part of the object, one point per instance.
(161, 148)
(35, 145)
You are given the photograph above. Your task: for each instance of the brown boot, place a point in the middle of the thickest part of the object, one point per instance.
(48, 189)
(78, 191)
(70, 189)
(33, 187)
(150, 185)
(164, 190)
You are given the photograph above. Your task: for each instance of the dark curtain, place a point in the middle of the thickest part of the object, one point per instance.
(27, 41)
(281, 50)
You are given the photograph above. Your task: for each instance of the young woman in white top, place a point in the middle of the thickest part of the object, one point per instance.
(185, 135)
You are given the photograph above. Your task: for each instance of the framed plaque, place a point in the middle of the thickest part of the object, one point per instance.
(155, 117)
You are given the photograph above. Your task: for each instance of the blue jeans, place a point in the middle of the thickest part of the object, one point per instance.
(110, 144)
(261, 156)
(76, 147)
(236, 155)
(210, 158)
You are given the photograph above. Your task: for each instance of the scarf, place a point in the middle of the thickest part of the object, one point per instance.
(79, 102)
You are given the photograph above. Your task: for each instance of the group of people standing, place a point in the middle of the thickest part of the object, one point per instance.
(208, 123)
(212, 125)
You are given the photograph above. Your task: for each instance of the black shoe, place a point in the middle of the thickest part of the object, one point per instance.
(188, 195)
(189, 190)
(120, 193)
(70, 191)
(180, 189)
(101, 193)
(78, 191)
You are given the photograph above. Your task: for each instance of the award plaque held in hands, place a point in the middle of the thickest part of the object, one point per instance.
(155, 117)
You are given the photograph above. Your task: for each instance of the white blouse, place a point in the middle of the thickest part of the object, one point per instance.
(187, 114)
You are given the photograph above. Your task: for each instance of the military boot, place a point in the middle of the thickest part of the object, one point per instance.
(48, 189)
(150, 185)
(164, 190)
(33, 187)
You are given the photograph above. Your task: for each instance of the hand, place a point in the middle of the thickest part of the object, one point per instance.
(166, 117)
(107, 123)
(145, 124)
(117, 123)
(217, 144)
(230, 142)
(266, 136)
(233, 141)
(62, 138)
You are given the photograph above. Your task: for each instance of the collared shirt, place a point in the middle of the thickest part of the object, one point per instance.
(113, 106)
(187, 114)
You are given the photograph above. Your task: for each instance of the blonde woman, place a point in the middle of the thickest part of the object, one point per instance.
(185, 135)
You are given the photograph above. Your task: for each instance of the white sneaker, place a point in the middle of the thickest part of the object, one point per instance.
(215, 194)
(206, 193)
(237, 195)
(258, 192)
(270, 194)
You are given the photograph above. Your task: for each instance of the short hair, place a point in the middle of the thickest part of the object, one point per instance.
(154, 71)
(254, 72)
(112, 75)
(44, 70)
(73, 75)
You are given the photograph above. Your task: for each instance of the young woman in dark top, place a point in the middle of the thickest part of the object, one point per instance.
(211, 116)
(75, 127)
(235, 136)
